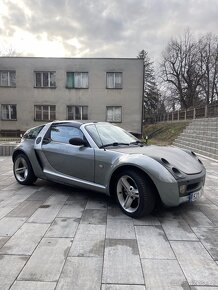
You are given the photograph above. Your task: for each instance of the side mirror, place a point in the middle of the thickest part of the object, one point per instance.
(78, 142)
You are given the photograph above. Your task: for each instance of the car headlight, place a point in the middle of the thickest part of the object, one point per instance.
(182, 188)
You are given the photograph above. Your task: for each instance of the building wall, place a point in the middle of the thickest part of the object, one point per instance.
(97, 97)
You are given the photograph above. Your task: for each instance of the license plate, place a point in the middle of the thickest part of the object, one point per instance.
(196, 195)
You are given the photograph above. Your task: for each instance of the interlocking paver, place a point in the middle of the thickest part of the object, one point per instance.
(81, 273)
(153, 243)
(47, 260)
(63, 228)
(147, 221)
(25, 209)
(120, 229)
(94, 216)
(49, 210)
(122, 263)
(196, 218)
(3, 240)
(25, 240)
(72, 209)
(28, 285)
(122, 287)
(57, 237)
(9, 225)
(178, 229)
(211, 211)
(209, 238)
(89, 241)
(10, 267)
(197, 265)
(5, 210)
(163, 274)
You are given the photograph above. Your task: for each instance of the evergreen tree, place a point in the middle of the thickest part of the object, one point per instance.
(152, 100)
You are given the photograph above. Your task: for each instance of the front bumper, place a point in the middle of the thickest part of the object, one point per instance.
(194, 187)
(194, 196)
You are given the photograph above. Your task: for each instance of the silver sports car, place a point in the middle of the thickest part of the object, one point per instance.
(102, 157)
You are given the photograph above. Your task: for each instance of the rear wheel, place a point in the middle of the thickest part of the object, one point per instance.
(23, 171)
(134, 194)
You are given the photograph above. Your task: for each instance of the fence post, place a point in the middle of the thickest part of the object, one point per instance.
(194, 113)
(206, 111)
(185, 115)
(178, 115)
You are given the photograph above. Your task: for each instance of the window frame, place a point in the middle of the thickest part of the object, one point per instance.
(114, 107)
(74, 86)
(114, 80)
(9, 78)
(49, 86)
(9, 111)
(43, 111)
(81, 107)
(82, 136)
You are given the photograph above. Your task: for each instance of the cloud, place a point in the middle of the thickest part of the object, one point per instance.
(101, 28)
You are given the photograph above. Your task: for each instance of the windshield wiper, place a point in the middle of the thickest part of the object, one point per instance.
(113, 144)
(140, 143)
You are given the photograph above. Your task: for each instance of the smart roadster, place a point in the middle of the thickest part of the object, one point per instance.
(102, 157)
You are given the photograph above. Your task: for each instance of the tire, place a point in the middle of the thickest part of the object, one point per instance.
(134, 194)
(23, 170)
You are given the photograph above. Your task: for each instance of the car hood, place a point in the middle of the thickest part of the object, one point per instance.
(175, 156)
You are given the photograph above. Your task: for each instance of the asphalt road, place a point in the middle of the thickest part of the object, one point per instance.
(56, 237)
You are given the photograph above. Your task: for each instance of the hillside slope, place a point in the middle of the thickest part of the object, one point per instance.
(163, 133)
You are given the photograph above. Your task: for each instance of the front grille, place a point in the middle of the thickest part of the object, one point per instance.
(194, 187)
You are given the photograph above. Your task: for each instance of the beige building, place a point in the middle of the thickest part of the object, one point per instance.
(37, 90)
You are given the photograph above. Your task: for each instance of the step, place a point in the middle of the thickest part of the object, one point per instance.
(195, 146)
(209, 141)
(7, 150)
(198, 151)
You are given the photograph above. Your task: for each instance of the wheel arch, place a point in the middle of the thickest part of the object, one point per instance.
(135, 169)
(17, 152)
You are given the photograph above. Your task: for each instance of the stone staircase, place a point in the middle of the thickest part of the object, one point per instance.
(7, 146)
(200, 136)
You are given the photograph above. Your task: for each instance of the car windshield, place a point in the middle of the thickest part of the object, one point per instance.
(109, 135)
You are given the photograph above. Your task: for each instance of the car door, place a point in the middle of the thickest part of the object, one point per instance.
(63, 159)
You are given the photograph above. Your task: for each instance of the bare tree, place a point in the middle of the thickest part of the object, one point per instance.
(9, 51)
(181, 69)
(189, 67)
(208, 45)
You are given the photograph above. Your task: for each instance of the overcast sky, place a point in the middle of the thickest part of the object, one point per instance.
(101, 28)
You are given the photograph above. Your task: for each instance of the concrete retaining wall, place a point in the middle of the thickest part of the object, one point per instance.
(200, 136)
(6, 150)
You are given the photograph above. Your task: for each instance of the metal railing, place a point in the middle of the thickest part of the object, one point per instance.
(207, 111)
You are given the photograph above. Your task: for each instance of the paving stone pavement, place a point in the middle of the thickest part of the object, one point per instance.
(56, 237)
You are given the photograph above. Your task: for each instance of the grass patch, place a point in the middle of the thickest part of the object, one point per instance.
(163, 133)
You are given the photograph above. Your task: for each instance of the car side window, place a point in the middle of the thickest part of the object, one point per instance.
(32, 133)
(63, 133)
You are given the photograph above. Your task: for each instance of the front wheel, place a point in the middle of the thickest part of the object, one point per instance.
(23, 171)
(134, 194)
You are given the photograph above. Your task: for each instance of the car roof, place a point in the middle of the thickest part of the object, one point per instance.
(77, 123)
(69, 122)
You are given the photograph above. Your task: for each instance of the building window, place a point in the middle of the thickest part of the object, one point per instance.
(114, 80)
(77, 80)
(77, 112)
(114, 114)
(44, 113)
(45, 80)
(9, 112)
(7, 78)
